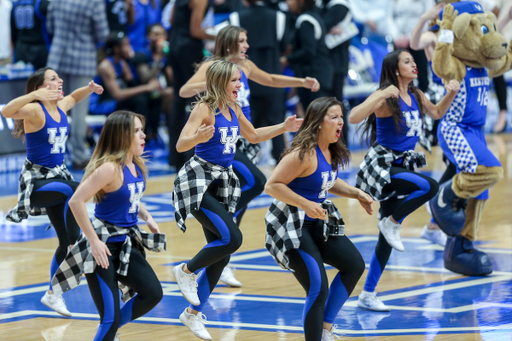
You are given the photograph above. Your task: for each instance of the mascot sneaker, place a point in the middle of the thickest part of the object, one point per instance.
(448, 210)
(461, 257)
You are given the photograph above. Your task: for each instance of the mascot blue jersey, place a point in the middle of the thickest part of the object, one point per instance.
(469, 108)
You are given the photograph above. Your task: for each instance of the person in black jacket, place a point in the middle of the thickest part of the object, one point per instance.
(309, 55)
(334, 13)
(266, 27)
(28, 31)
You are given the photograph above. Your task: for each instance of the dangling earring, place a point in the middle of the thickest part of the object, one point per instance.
(228, 50)
(319, 127)
(396, 73)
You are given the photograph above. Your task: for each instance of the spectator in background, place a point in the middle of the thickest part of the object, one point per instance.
(406, 14)
(266, 28)
(149, 64)
(114, 74)
(77, 27)
(147, 12)
(28, 32)
(336, 15)
(375, 16)
(185, 50)
(120, 14)
(309, 56)
(5, 31)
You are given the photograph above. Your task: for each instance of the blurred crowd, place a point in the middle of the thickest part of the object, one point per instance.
(143, 51)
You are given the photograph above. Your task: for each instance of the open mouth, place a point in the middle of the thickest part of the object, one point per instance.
(235, 93)
(415, 71)
(338, 133)
(60, 89)
(143, 145)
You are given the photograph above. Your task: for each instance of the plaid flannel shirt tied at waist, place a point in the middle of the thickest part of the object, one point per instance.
(192, 182)
(81, 261)
(374, 174)
(284, 228)
(28, 176)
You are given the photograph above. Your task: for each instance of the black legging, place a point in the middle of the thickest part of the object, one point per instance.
(105, 293)
(54, 195)
(324, 303)
(419, 189)
(501, 91)
(252, 182)
(223, 237)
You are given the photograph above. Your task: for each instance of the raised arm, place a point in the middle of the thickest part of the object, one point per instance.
(438, 110)
(79, 95)
(420, 40)
(196, 84)
(195, 130)
(22, 107)
(374, 102)
(102, 178)
(285, 172)
(253, 135)
(280, 81)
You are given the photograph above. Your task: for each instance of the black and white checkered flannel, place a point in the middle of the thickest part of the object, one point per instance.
(193, 180)
(29, 175)
(284, 228)
(80, 260)
(373, 172)
(249, 149)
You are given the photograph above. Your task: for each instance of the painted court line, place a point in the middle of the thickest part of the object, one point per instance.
(505, 327)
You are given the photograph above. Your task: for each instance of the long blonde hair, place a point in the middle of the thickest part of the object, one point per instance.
(218, 76)
(113, 145)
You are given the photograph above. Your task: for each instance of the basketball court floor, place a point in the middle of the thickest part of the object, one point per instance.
(427, 301)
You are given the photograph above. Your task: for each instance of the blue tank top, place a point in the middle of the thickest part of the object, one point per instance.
(121, 207)
(469, 107)
(47, 146)
(314, 187)
(243, 96)
(435, 78)
(221, 148)
(410, 127)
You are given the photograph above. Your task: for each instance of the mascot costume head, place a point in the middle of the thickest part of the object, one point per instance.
(470, 50)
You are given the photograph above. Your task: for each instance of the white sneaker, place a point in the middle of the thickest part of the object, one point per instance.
(228, 277)
(187, 284)
(390, 231)
(330, 335)
(435, 236)
(56, 303)
(369, 300)
(196, 324)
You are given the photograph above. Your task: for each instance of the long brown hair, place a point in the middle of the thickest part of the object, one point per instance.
(218, 76)
(388, 77)
(226, 42)
(306, 139)
(115, 140)
(33, 83)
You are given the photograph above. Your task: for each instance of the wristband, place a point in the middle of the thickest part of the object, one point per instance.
(446, 36)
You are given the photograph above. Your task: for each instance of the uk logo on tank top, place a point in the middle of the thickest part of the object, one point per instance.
(229, 142)
(243, 95)
(58, 142)
(414, 122)
(135, 195)
(326, 183)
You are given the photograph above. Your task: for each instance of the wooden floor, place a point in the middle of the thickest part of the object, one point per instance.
(427, 301)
